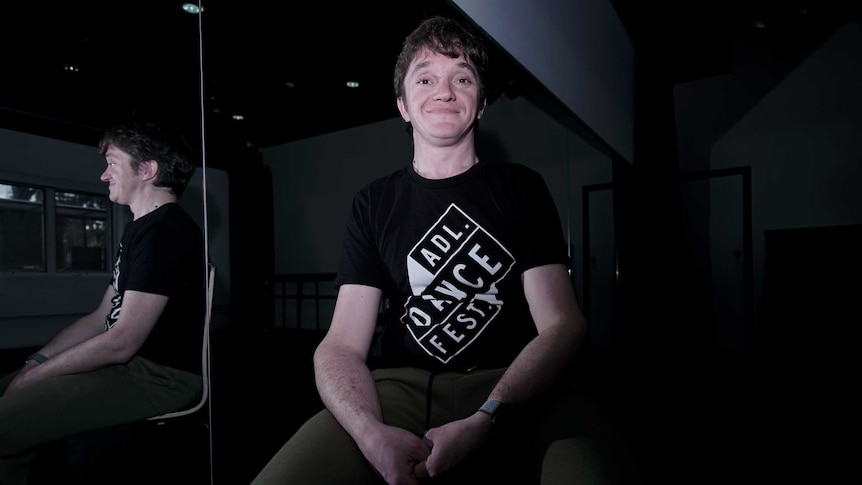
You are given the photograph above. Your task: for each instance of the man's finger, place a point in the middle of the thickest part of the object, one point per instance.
(419, 470)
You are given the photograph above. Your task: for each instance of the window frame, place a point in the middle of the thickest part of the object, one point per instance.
(50, 229)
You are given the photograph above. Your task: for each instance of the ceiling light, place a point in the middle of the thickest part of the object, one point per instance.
(71, 68)
(352, 84)
(192, 8)
(238, 117)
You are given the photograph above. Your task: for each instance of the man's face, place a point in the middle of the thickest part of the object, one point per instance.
(440, 97)
(121, 178)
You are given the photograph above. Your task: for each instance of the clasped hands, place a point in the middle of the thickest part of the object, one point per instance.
(403, 458)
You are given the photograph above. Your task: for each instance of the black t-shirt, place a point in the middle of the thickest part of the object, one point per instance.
(163, 253)
(448, 255)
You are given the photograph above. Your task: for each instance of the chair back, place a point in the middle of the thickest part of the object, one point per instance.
(205, 356)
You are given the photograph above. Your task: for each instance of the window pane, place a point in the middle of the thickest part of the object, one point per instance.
(82, 226)
(22, 225)
(83, 201)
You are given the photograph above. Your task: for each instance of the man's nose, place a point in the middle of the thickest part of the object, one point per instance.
(443, 91)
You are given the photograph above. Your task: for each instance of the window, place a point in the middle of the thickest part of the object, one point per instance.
(81, 231)
(22, 217)
(74, 227)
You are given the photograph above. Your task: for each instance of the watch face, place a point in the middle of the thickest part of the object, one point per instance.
(490, 407)
(494, 409)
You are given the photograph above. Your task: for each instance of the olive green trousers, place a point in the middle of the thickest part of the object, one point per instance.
(563, 439)
(65, 406)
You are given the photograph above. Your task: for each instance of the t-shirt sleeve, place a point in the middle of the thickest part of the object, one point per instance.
(543, 234)
(360, 261)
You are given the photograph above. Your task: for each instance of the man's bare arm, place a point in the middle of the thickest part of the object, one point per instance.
(562, 331)
(138, 316)
(347, 387)
(343, 379)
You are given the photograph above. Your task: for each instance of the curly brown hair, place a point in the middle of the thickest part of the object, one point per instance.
(148, 141)
(448, 37)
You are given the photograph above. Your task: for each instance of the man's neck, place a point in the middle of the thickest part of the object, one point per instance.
(151, 203)
(444, 162)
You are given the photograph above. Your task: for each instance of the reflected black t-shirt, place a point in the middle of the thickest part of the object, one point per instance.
(163, 253)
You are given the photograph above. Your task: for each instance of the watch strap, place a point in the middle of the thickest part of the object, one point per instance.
(37, 357)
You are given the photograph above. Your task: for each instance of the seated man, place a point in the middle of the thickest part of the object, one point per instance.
(137, 355)
(483, 330)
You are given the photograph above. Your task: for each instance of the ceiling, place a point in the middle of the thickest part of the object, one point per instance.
(285, 71)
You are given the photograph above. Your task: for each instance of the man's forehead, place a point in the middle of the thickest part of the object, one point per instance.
(114, 151)
(425, 56)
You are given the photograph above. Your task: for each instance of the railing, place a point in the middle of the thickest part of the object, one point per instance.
(293, 293)
(299, 294)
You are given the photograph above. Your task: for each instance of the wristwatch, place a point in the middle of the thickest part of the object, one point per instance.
(37, 357)
(495, 409)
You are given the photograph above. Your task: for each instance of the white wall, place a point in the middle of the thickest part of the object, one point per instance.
(801, 140)
(29, 158)
(314, 181)
(578, 50)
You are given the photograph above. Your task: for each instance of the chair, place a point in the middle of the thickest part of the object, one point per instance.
(188, 475)
(205, 359)
(97, 457)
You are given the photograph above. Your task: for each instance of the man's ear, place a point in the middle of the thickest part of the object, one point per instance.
(402, 109)
(149, 169)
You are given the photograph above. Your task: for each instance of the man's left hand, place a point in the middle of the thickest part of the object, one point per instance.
(452, 443)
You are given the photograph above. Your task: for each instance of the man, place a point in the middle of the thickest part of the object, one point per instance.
(482, 326)
(137, 355)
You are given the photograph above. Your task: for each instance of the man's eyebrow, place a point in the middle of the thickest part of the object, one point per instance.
(469, 67)
(421, 65)
(464, 65)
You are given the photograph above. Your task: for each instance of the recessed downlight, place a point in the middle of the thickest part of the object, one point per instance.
(192, 8)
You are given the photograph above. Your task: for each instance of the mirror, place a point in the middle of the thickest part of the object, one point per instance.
(70, 71)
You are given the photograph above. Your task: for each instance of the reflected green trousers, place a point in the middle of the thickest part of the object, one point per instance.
(64, 406)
